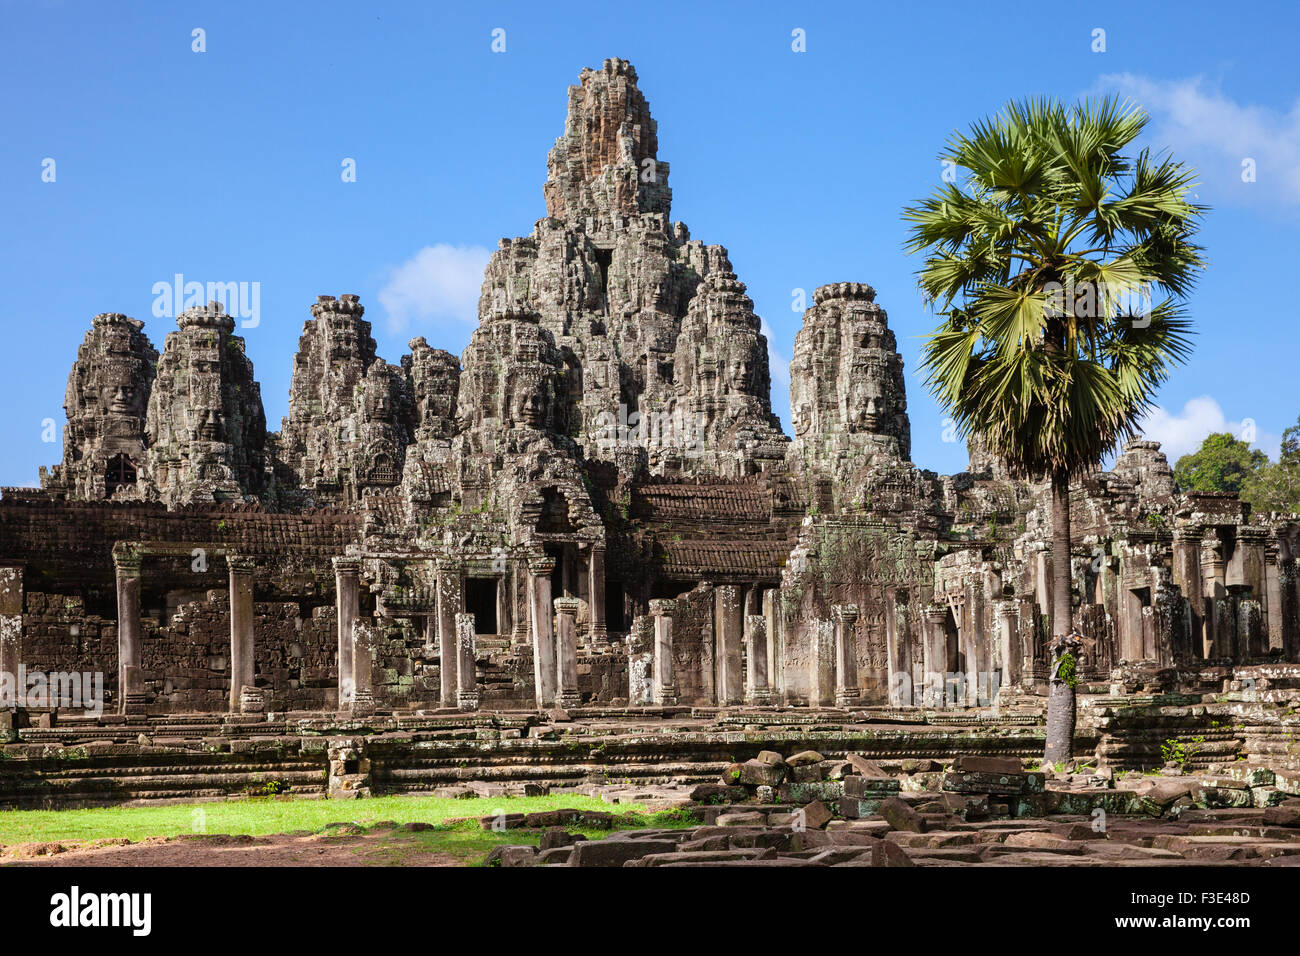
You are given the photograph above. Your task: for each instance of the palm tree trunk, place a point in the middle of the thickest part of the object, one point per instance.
(1060, 699)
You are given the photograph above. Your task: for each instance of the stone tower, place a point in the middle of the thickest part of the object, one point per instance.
(107, 396)
(351, 415)
(848, 401)
(205, 428)
(615, 283)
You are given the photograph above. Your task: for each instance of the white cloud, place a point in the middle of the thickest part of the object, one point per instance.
(1181, 433)
(437, 286)
(1203, 127)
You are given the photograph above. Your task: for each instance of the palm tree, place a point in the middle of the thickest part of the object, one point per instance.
(1045, 264)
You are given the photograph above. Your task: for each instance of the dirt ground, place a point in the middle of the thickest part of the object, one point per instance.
(370, 848)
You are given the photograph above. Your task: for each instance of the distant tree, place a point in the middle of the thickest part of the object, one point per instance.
(1222, 463)
(1276, 486)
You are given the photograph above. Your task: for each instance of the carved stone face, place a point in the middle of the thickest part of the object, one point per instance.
(801, 417)
(868, 409)
(116, 395)
(740, 370)
(528, 405)
(378, 404)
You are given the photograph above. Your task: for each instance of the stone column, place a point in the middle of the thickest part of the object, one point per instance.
(466, 672)
(1273, 599)
(596, 594)
(936, 655)
(11, 623)
(521, 603)
(822, 692)
(241, 626)
(728, 631)
(757, 691)
(1043, 587)
(363, 669)
(1252, 545)
(1007, 645)
(847, 691)
(1213, 590)
(130, 678)
(347, 590)
(504, 606)
(450, 603)
(1289, 585)
(566, 652)
(775, 656)
(665, 685)
(1187, 575)
(539, 600)
(898, 658)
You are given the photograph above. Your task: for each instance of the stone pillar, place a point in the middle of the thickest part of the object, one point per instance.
(898, 663)
(1289, 585)
(539, 600)
(566, 652)
(1252, 544)
(1043, 587)
(363, 669)
(1008, 649)
(822, 691)
(775, 656)
(596, 594)
(847, 691)
(1273, 600)
(1213, 590)
(466, 673)
(665, 684)
(450, 600)
(347, 591)
(1250, 631)
(757, 690)
(521, 602)
(11, 622)
(1187, 575)
(504, 606)
(241, 626)
(130, 678)
(728, 633)
(935, 654)
(566, 571)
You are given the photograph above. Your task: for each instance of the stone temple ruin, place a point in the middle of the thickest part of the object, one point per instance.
(592, 520)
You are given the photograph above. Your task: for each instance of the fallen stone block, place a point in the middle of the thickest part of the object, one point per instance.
(870, 787)
(616, 852)
(754, 773)
(864, 767)
(1282, 816)
(805, 757)
(1008, 784)
(900, 816)
(816, 815)
(707, 856)
(808, 773)
(742, 818)
(968, 763)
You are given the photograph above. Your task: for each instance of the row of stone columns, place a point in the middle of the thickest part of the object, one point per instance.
(128, 562)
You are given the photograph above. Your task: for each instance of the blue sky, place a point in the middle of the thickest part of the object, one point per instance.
(225, 165)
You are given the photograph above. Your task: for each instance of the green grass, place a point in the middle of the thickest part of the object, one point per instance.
(266, 815)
